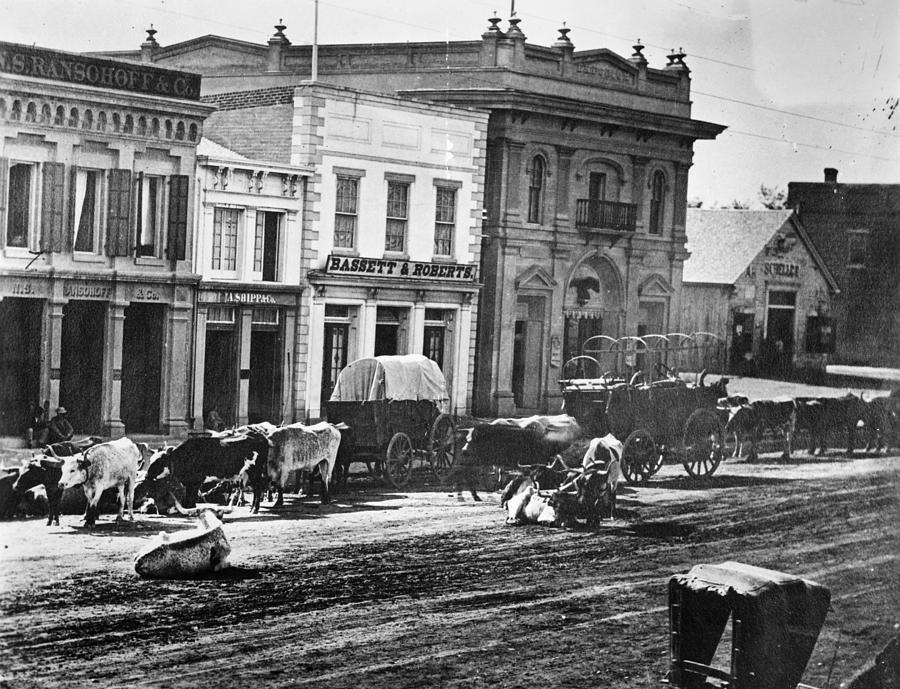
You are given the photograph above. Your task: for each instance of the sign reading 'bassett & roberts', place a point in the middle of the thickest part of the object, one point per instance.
(413, 270)
(27, 61)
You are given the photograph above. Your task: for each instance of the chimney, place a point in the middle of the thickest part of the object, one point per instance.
(831, 175)
(148, 47)
(277, 44)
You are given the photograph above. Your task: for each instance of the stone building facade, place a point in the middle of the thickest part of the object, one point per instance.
(586, 184)
(97, 188)
(857, 229)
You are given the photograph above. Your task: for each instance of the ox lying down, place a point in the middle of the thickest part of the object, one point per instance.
(202, 550)
(588, 493)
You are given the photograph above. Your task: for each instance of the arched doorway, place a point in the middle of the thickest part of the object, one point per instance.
(593, 303)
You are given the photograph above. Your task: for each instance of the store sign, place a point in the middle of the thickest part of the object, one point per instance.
(76, 291)
(27, 61)
(22, 289)
(413, 270)
(781, 270)
(246, 298)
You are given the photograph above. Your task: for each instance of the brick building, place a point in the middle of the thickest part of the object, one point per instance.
(96, 199)
(586, 186)
(857, 229)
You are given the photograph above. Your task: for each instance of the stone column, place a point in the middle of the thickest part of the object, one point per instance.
(51, 355)
(417, 327)
(679, 193)
(639, 184)
(511, 213)
(461, 390)
(564, 204)
(367, 327)
(314, 364)
(505, 339)
(243, 406)
(176, 369)
(289, 368)
(199, 365)
(111, 393)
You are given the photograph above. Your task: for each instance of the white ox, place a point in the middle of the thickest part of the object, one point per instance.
(107, 465)
(302, 448)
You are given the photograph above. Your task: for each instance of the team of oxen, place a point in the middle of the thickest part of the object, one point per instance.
(816, 417)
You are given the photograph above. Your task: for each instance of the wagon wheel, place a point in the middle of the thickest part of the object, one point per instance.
(442, 446)
(703, 446)
(398, 460)
(640, 457)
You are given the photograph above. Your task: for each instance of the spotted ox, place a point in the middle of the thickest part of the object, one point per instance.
(297, 448)
(47, 472)
(108, 465)
(196, 459)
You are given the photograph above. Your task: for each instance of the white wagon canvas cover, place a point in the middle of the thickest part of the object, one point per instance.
(400, 377)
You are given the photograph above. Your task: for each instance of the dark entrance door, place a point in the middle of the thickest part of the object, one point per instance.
(81, 364)
(742, 343)
(20, 362)
(779, 343)
(142, 347)
(220, 374)
(578, 331)
(265, 376)
(334, 357)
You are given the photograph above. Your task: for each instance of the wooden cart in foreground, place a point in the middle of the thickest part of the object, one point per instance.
(394, 411)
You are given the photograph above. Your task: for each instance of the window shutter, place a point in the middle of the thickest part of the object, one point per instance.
(68, 237)
(118, 217)
(178, 209)
(53, 226)
(4, 193)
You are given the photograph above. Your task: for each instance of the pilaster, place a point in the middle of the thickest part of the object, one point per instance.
(176, 369)
(111, 390)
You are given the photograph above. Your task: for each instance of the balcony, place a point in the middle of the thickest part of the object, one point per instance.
(594, 215)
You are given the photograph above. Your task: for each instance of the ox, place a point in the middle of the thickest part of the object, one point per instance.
(107, 465)
(196, 552)
(749, 421)
(819, 415)
(47, 472)
(297, 448)
(881, 422)
(195, 459)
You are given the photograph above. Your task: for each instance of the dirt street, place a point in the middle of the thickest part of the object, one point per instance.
(382, 589)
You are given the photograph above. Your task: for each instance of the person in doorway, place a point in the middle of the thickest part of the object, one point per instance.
(58, 430)
(214, 421)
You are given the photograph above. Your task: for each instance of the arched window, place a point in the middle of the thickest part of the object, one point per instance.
(535, 189)
(657, 202)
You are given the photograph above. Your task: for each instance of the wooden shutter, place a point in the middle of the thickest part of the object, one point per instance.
(118, 214)
(4, 194)
(178, 211)
(68, 237)
(53, 225)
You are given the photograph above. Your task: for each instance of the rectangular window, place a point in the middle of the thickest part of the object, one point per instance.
(264, 317)
(20, 209)
(397, 216)
(87, 210)
(346, 209)
(857, 248)
(225, 234)
(265, 247)
(149, 214)
(220, 314)
(444, 221)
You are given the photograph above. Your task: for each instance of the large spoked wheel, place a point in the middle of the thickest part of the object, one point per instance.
(640, 457)
(398, 460)
(703, 446)
(442, 446)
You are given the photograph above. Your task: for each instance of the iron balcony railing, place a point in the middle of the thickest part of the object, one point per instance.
(594, 214)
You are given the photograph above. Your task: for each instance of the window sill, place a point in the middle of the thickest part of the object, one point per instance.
(443, 259)
(18, 252)
(149, 261)
(223, 277)
(84, 257)
(337, 251)
(395, 256)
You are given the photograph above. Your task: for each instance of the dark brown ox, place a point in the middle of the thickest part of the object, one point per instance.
(47, 472)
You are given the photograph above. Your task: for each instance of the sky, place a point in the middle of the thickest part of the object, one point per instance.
(801, 84)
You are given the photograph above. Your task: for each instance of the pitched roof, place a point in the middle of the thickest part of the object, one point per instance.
(724, 242)
(211, 149)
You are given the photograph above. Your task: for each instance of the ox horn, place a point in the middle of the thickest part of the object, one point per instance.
(195, 512)
(700, 382)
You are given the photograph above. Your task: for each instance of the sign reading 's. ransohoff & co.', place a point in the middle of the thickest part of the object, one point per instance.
(388, 268)
(23, 60)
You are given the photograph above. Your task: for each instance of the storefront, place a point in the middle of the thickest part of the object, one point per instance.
(243, 354)
(367, 307)
(755, 279)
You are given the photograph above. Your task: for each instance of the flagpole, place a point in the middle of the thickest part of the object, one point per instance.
(315, 46)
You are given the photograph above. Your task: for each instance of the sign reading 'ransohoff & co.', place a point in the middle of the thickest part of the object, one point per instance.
(388, 268)
(27, 61)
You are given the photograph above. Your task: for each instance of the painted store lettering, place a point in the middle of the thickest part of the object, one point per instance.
(412, 269)
(782, 270)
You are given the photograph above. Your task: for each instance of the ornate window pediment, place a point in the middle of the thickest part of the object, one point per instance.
(535, 277)
(655, 286)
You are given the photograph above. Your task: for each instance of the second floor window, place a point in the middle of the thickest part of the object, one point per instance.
(87, 215)
(20, 203)
(345, 212)
(397, 216)
(535, 189)
(148, 214)
(225, 234)
(265, 249)
(444, 221)
(657, 202)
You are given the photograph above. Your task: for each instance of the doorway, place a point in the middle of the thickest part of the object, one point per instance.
(779, 341)
(81, 364)
(265, 375)
(527, 372)
(20, 362)
(142, 349)
(220, 373)
(742, 343)
(387, 330)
